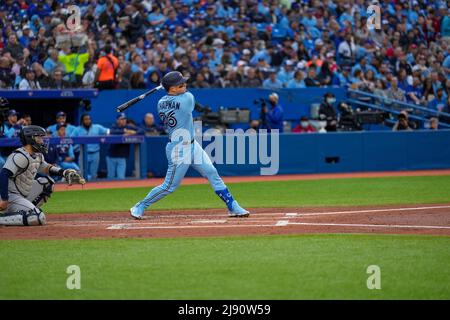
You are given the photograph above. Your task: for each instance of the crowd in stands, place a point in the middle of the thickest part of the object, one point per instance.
(230, 44)
(66, 155)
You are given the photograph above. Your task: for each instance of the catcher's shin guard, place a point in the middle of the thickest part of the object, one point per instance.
(41, 190)
(32, 217)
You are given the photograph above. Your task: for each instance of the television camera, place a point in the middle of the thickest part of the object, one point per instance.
(351, 120)
(223, 117)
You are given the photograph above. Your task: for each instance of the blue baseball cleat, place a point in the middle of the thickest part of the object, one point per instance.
(137, 212)
(237, 211)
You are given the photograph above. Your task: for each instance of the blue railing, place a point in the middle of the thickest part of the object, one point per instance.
(385, 104)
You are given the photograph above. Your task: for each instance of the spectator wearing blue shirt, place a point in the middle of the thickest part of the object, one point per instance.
(172, 22)
(156, 18)
(12, 126)
(309, 20)
(414, 92)
(26, 36)
(286, 73)
(342, 78)
(445, 24)
(87, 128)
(439, 102)
(61, 118)
(446, 64)
(273, 117)
(272, 82)
(297, 82)
(64, 150)
(116, 159)
(52, 62)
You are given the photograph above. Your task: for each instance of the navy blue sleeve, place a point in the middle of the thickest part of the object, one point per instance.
(116, 130)
(4, 176)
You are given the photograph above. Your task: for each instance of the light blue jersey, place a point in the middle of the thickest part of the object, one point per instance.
(176, 113)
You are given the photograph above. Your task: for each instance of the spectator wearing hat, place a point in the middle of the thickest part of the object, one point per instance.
(61, 118)
(273, 118)
(64, 150)
(272, 82)
(35, 49)
(297, 82)
(342, 78)
(286, 73)
(29, 82)
(304, 126)
(402, 123)
(328, 113)
(12, 125)
(26, 36)
(439, 102)
(87, 128)
(107, 65)
(116, 159)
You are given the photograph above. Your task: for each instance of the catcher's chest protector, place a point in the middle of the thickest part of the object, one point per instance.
(27, 166)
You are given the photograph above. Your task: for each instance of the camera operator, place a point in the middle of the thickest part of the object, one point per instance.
(403, 123)
(272, 118)
(327, 112)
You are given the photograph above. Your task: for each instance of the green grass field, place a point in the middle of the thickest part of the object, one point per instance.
(269, 267)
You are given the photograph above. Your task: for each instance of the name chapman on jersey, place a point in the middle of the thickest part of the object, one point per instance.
(169, 105)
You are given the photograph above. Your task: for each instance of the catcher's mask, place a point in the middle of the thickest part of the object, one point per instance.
(34, 136)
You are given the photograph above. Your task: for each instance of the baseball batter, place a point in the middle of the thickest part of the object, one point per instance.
(175, 110)
(22, 194)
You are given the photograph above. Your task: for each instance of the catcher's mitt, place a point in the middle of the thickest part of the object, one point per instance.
(71, 177)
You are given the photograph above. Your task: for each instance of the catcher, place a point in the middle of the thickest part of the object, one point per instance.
(22, 194)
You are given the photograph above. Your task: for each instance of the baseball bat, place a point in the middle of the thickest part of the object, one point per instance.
(129, 103)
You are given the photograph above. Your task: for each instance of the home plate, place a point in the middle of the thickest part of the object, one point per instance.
(282, 223)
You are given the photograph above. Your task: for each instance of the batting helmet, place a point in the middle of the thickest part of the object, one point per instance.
(172, 79)
(28, 135)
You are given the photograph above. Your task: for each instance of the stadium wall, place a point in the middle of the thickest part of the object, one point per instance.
(333, 152)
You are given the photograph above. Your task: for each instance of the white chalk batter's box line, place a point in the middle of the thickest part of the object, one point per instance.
(282, 223)
(261, 217)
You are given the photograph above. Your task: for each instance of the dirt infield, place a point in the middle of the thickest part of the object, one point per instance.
(419, 219)
(431, 219)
